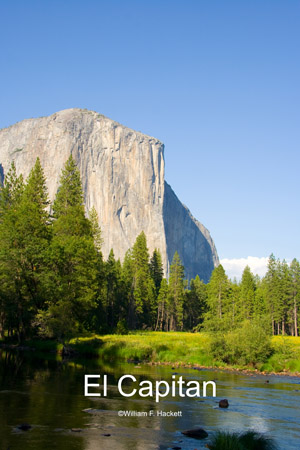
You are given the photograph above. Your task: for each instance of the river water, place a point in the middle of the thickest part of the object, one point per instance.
(47, 393)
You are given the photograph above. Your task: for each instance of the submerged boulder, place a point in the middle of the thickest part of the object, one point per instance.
(197, 433)
(24, 427)
(223, 403)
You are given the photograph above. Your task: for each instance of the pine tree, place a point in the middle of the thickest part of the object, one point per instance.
(176, 294)
(195, 303)
(69, 194)
(295, 294)
(11, 303)
(218, 292)
(247, 294)
(141, 272)
(162, 306)
(156, 269)
(235, 313)
(36, 191)
(11, 191)
(74, 261)
(35, 234)
(113, 302)
(260, 307)
(127, 283)
(96, 230)
(144, 288)
(25, 239)
(285, 296)
(272, 280)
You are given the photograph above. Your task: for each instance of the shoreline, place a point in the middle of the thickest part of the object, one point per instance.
(68, 352)
(230, 369)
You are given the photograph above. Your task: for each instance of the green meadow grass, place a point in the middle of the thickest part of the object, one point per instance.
(286, 355)
(180, 348)
(183, 348)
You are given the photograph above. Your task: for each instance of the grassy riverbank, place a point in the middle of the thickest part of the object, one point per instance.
(183, 349)
(158, 347)
(178, 348)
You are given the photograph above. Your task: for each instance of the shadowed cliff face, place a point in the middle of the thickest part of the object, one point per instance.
(1, 175)
(188, 237)
(122, 174)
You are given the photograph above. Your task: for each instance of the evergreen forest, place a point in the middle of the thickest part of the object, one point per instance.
(55, 283)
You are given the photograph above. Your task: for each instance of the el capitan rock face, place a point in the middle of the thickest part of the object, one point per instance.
(189, 237)
(122, 174)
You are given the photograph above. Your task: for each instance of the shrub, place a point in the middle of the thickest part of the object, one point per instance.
(249, 344)
(122, 327)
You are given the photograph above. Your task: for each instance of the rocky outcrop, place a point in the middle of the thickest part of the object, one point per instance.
(189, 237)
(122, 174)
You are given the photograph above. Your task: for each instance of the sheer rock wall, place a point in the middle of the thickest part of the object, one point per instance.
(122, 174)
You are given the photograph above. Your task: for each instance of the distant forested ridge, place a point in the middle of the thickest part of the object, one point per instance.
(55, 283)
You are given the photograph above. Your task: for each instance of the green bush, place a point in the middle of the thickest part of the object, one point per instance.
(122, 327)
(248, 345)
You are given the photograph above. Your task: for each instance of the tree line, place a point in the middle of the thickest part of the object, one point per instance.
(54, 281)
(273, 300)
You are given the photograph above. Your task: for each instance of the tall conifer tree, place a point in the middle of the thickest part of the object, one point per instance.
(247, 294)
(195, 303)
(272, 280)
(144, 288)
(156, 269)
(11, 301)
(162, 306)
(218, 292)
(11, 191)
(295, 275)
(96, 230)
(25, 239)
(75, 262)
(114, 306)
(176, 294)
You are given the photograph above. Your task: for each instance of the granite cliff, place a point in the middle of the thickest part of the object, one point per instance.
(122, 174)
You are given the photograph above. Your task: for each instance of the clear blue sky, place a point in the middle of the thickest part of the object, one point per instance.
(216, 81)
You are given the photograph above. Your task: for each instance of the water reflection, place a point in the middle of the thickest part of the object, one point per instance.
(48, 394)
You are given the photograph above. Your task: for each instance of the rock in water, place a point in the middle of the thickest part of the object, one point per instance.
(197, 433)
(122, 174)
(24, 427)
(223, 403)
